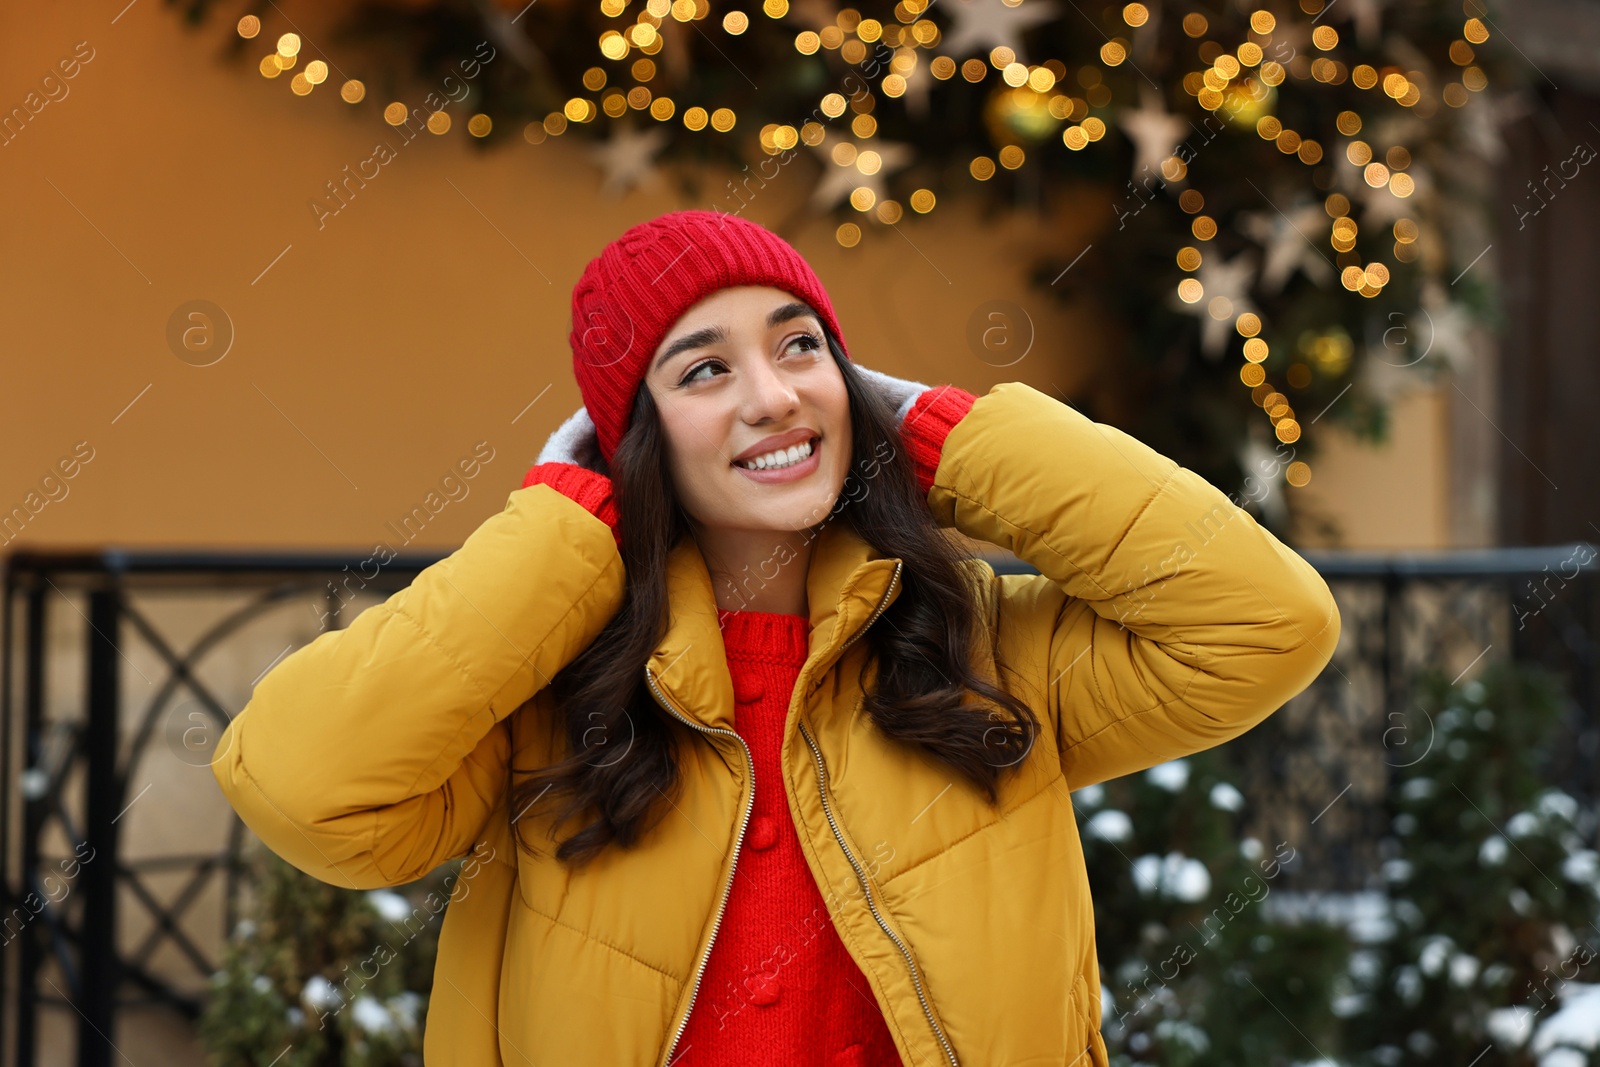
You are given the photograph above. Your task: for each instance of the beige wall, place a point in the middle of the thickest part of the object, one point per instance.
(1393, 496)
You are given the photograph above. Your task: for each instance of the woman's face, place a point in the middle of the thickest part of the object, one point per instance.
(744, 373)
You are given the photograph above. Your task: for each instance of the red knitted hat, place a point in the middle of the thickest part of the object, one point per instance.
(642, 282)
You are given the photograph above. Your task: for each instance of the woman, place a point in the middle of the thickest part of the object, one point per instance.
(746, 762)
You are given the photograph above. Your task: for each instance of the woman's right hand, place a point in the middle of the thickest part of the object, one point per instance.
(572, 465)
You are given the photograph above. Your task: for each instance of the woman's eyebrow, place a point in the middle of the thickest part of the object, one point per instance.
(710, 335)
(707, 335)
(784, 312)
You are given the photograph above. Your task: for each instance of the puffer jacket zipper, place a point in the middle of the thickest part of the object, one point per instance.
(866, 890)
(916, 979)
(661, 699)
(894, 580)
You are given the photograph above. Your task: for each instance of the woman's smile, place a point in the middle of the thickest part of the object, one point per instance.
(791, 472)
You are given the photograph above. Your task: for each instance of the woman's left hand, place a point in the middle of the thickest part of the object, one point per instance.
(938, 409)
(899, 392)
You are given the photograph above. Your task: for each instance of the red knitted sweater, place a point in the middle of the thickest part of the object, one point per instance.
(779, 986)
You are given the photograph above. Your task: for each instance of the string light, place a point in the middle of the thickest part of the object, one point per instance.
(1238, 80)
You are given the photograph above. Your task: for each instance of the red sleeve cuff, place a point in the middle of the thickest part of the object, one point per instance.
(928, 423)
(593, 491)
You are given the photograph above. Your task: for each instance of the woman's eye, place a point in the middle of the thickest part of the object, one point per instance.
(812, 342)
(687, 378)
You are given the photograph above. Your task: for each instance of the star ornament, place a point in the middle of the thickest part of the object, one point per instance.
(1290, 242)
(1380, 206)
(1154, 131)
(983, 25)
(1263, 467)
(918, 82)
(1483, 118)
(1367, 16)
(626, 158)
(1444, 331)
(1230, 280)
(839, 182)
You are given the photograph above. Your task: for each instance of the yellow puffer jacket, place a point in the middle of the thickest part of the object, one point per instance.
(1163, 621)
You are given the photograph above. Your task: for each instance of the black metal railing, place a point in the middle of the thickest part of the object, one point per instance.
(72, 777)
(1327, 767)
(71, 767)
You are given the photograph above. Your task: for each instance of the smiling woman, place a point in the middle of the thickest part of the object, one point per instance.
(825, 819)
(745, 422)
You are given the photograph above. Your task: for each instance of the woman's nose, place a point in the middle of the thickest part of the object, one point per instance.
(769, 393)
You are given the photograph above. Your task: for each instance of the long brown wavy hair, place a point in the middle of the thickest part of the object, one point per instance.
(935, 620)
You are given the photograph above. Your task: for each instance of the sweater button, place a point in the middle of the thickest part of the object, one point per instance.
(854, 1056)
(765, 991)
(763, 832)
(748, 688)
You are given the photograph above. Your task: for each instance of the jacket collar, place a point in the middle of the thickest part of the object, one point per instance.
(847, 581)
